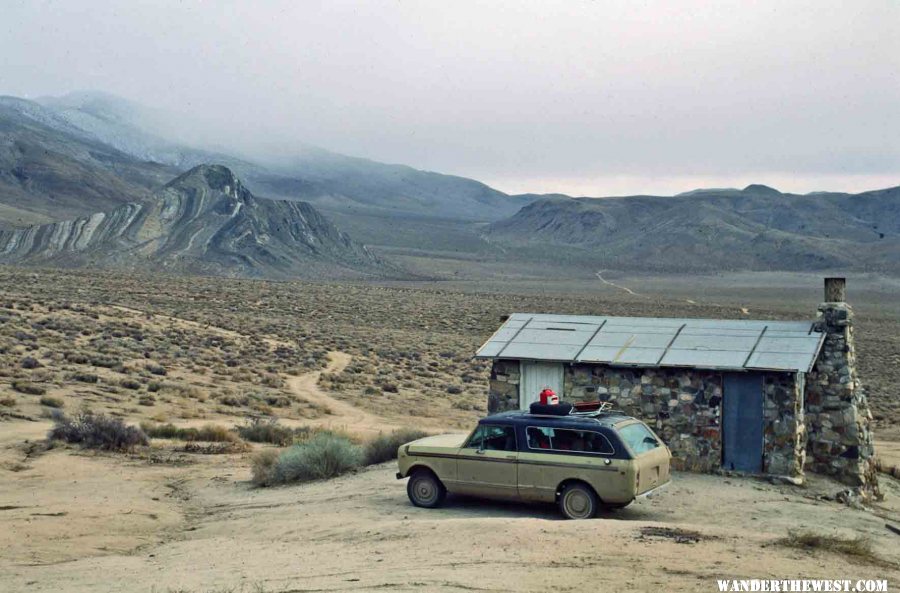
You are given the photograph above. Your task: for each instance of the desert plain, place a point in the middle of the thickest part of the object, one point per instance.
(365, 359)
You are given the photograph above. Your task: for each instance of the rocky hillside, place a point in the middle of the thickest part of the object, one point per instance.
(203, 222)
(51, 170)
(754, 228)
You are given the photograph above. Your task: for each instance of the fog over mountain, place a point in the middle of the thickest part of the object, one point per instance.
(582, 98)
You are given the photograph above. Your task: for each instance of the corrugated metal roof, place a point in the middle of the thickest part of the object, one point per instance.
(730, 344)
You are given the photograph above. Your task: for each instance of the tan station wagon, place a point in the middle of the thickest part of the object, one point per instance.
(580, 461)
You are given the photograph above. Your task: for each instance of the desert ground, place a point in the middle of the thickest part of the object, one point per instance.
(365, 359)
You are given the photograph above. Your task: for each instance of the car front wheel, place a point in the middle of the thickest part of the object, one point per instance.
(578, 501)
(425, 490)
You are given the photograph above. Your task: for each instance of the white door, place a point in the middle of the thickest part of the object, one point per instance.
(535, 376)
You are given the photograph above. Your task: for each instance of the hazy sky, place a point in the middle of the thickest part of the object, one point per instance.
(590, 98)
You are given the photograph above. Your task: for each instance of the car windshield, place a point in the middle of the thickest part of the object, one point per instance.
(638, 437)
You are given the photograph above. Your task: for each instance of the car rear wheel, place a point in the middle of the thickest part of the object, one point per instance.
(578, 501)
(425, 490)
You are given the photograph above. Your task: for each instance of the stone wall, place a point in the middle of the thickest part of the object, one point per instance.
(683, 406)
(840, 442)
(784, 434)
(503, 390)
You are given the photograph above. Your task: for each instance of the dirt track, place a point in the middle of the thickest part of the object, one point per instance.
(342, 416)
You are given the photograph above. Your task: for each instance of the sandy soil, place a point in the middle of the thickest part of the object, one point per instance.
(92, 523)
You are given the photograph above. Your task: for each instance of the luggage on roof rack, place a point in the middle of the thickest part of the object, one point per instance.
(560, 409)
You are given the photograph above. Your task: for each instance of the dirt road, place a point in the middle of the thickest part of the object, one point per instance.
(342, 415)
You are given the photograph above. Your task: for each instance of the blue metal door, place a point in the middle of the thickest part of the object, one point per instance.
(742, 425)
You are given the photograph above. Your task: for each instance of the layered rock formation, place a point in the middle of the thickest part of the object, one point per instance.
(204, 221)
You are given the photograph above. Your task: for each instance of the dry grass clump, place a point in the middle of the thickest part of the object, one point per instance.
(384, 447)
(211, 433)
(52, 402)
(96, 431)
(7, 401)
(266, 430)
(321, 457)
(29, 388)
(856, 548)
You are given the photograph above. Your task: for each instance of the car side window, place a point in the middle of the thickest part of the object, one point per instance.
(491, 437)
(564, 439)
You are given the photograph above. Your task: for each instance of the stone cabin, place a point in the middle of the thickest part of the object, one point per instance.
(755, 396)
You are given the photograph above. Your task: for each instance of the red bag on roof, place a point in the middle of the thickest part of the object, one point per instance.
(549, 397)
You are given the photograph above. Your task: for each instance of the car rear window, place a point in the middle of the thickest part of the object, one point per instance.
(638, 437)
(567, 440)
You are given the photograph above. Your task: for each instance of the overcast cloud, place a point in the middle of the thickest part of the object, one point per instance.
(590, 98)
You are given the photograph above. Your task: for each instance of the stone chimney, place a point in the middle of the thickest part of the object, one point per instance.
(837, 416)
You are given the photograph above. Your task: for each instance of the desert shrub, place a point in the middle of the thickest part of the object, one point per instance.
(384, 447)
(390, 388)
(273, 381)
(85, 377)
(454, 389)
(107, 362)
(323, 456)
(96, 431)
(856, 548)
(262, 430)
(29, 362)
(212, 433)
(212, 448)
(52, 402)
(146, 400)
(130, 384)
(7, 401)
(261, 466)
(29, 388)
(156, 369)
(77, 358)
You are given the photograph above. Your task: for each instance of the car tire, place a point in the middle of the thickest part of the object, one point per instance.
(425, 490)
(578, 501)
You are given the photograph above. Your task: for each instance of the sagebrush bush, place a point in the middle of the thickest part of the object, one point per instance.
(262, 430)
(212, 433)
(384, 447)
(97, 431)
(321, 457)
(52, 402)
(29, 388)
(261, 466)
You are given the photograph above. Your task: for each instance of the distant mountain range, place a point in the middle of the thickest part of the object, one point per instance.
(203, 222)
(66, 160)
(757, 228)
(325, 179)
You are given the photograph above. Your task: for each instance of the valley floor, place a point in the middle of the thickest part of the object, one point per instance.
(365, 359)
